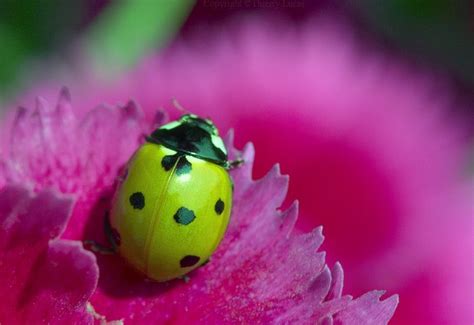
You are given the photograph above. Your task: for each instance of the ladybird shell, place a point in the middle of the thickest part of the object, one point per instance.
(170, 211)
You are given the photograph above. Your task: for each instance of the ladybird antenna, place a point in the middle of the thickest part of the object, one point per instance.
(178, 106)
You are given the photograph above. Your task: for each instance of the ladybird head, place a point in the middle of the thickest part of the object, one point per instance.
(205, 124)
(193, 135)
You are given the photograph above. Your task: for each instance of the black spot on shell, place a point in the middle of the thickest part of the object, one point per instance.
(183, 167)
(184, 216)
(168, 161)
(189, 260)
(219, 206)
(137, 200)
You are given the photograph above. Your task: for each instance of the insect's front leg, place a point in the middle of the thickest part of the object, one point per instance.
(236, 163)
(99, 248)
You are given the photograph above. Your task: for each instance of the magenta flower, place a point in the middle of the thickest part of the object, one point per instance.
(386, 164)
(261, 273)
(365, 139)
(44, 279)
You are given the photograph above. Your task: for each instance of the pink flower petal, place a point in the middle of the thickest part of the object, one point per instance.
(367, 309)
(44, 279)
(260, 273)
(386, 151)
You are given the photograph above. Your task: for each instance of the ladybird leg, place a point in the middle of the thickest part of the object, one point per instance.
(236, 163)
(98, 248)
(109, 233)
(185, 278)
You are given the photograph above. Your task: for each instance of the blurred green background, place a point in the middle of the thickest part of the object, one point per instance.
(438, 34)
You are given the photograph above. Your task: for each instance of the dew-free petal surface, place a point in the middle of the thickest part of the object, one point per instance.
(43, 279)
(261, 273)
(378, 150)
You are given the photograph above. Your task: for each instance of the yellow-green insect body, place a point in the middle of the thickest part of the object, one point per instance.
(172, 207)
